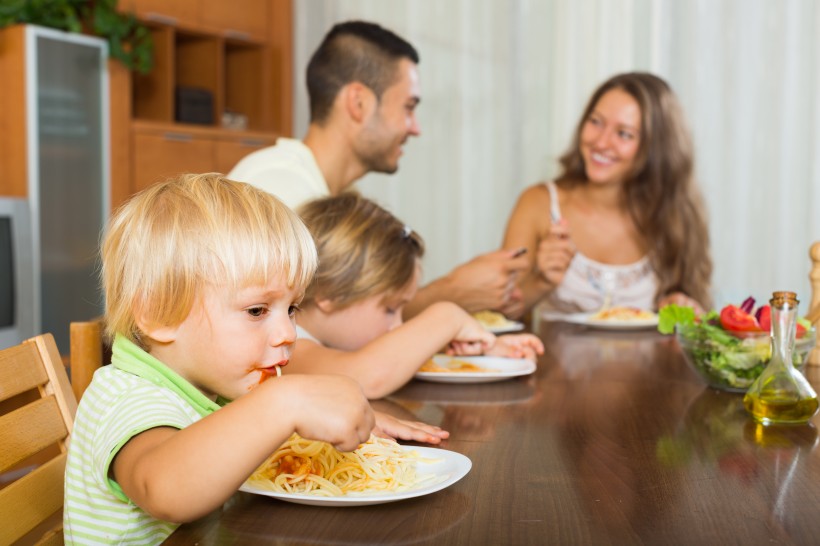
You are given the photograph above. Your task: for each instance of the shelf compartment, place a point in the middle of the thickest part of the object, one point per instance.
(246, 83)
(154, 92)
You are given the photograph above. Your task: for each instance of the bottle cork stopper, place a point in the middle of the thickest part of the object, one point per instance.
(814, 306)
(783, 297)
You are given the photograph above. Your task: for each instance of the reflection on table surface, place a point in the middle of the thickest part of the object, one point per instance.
(613, 440)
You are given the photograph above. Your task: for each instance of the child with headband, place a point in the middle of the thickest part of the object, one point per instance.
(351, 319)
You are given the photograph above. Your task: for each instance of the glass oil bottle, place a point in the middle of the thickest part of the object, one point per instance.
(781, 394)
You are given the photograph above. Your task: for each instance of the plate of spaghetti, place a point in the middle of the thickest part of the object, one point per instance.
(379, 471)
(617, 318)
(497, 323)
(473, 369)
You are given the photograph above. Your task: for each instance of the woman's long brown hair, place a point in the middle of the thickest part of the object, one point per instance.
(661, 194)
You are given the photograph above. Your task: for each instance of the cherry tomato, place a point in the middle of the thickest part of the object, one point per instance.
(732, 318)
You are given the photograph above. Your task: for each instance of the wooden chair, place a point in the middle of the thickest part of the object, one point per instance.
(87, 351)
(33, 441)
(814, 306)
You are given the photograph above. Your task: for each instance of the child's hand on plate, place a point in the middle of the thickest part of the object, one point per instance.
(388, 426)
(471, 339)
(517, 346)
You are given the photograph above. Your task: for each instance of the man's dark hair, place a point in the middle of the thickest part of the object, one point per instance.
(355, 51)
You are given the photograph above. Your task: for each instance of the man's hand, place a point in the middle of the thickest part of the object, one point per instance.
(488, 281)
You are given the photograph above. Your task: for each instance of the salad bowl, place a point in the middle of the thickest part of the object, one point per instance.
(731, 361)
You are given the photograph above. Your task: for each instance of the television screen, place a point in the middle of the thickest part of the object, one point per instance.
(17, 279)
(6, 274)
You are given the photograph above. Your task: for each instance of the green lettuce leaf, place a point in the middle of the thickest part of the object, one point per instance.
(671, 315)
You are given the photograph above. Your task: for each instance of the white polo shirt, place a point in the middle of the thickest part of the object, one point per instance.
(287, 170)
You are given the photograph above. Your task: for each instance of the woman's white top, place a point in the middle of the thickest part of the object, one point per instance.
(586, 282)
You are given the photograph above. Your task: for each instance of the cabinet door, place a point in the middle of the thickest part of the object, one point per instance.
(68, 181)
(230, 151)
(163, 11)
(159, 155)
(240, 19)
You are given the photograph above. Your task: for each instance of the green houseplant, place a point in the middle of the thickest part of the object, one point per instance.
(129, 41)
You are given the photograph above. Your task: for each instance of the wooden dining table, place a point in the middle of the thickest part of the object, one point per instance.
(614, 439)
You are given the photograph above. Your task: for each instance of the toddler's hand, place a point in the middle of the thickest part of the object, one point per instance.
(517, 346)
(333, 409)
(388, 426)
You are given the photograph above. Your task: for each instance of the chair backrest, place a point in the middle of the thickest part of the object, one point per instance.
(37, 409)
(87, 348)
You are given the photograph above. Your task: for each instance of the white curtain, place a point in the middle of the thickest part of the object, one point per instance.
(503, 84)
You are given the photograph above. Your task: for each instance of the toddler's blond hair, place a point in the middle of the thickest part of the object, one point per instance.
(169, 241)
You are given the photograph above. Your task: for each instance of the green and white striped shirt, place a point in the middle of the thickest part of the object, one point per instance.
(136, 393)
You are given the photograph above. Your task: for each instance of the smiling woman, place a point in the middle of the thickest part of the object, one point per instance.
(626, 226)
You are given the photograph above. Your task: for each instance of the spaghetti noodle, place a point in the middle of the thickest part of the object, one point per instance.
(491, 319)
(624, 314)
(265, 374)
(317, 468)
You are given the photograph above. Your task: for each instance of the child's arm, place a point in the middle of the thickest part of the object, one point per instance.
(390, 360)
(180, 475)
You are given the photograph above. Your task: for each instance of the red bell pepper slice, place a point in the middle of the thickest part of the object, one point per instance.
(732, 318)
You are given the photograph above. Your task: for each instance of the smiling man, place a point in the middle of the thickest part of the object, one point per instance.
(363, 86)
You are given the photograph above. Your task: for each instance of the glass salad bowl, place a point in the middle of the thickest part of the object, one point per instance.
(732, 361)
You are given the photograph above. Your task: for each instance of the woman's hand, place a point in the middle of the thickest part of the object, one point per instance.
(681, 299)
(554, 254)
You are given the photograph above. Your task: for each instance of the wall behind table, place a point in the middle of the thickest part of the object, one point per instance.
(503, 84)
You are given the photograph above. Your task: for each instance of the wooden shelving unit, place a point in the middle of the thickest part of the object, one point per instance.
(239, 52)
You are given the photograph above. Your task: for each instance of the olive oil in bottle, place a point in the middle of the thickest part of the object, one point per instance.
(782, 395)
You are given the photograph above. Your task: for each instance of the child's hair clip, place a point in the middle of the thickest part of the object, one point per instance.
(406, 232)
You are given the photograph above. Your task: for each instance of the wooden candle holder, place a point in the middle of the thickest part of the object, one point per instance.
(814, 307)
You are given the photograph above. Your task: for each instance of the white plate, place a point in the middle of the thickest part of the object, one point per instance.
(447, 466)
(497, 323)
(503, 368)
(587, 320)
(478, 394)
(509, 326)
